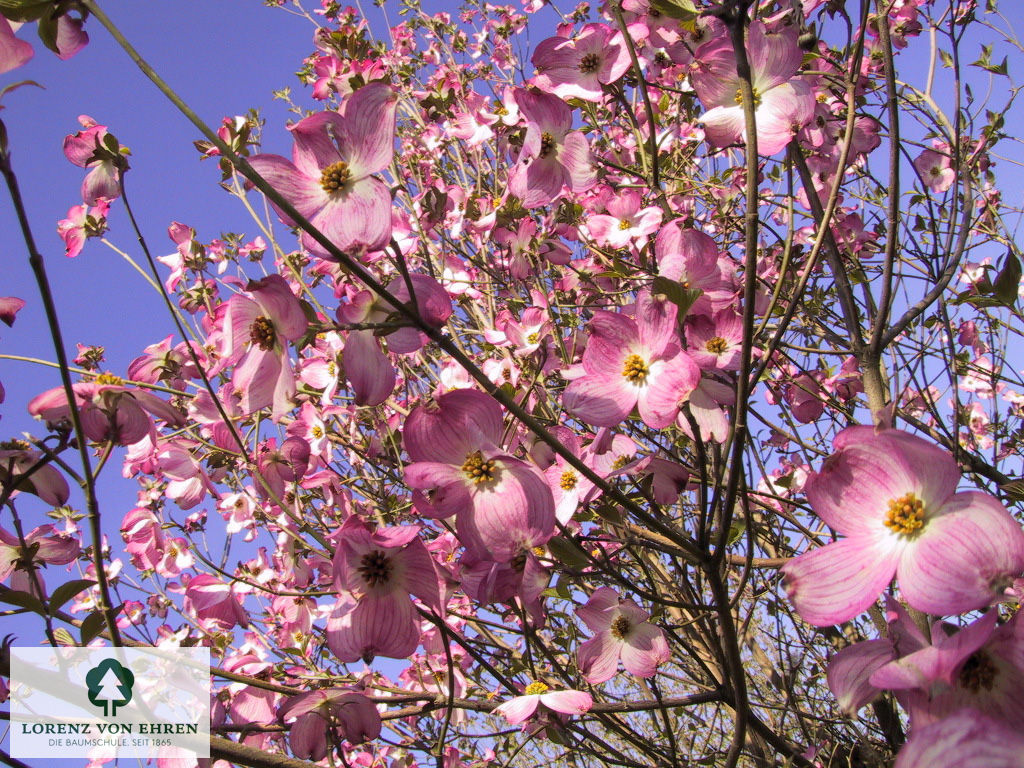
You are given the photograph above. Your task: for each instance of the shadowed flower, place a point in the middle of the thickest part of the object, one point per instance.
(522, 708)
(621, 631)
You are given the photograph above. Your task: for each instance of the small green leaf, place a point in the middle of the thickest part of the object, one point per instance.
(684, 10)
(1007, 282)
(64, 637)
(91, 627)
(674, 291)
(568, 552)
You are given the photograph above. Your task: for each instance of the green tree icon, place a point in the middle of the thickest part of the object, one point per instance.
(110, 685)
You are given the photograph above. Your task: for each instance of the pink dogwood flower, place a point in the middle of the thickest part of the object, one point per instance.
(968, 739)
(375, 574)
(621, 631)
(98, 150)
(625, 223)
(633, 363)
(553, 156)
(502, 504)
(578, 67)
(936, 170)
(330, 178)
(783, 103)
(13, 52)
(893, 496)
(257, 327)
(345, 715)
(537, 694)
(46, 481)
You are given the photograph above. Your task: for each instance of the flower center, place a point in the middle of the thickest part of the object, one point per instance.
(621, 461)
(533, 338)
(478, 469)
(547, 144)
(535, 688)
(335, 177)
(261, 333)
(109, 379)
(906, 515)
(568, 480)
(739, 97)
(317, 431)
(624, 224)
(375, 568)
(635, 369)
(620, 627)
(717, 345)
(589, 63)
(499, 109)
(978, 672)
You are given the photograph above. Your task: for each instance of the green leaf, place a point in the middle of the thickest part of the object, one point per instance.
(25, 10)
(1014, 489)
(683, 298)
(15, 86)
(568, 552)
(66, 592)
(23, 600)
(1007, 282)
(91, 627)
(64, 637)
(684, 10)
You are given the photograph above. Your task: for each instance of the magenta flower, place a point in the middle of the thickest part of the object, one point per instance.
(375, 574)
(621, 631)
(537, 694)
(980, 666)
(82, 223)
(46, 481)
(329, 179)
(110, 410)
(968, 739)
(633, 363)
(214, 603)
(96, 149)
(553, 156)
(503, 505)
(256, 329)
(42, 545)
(783, 103)
(893, 496)
(577, 67)
(345, 715)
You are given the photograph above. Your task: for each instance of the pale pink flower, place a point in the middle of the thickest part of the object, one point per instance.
(968, 739)
(553, 156)
(783, 103)
(935, 170)
(330, 178)
(257, 328)
(375, 574)
(345, 715)
(621, 631)
(625, 223)
(537, 694)
(13, 52)
(893, 497)
(633, 363)
(502, 504)
(578, 67)
(214, 603)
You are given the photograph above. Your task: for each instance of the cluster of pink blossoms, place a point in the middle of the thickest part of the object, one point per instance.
(893, 497)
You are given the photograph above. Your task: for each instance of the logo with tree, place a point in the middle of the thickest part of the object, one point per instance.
(110, 685)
